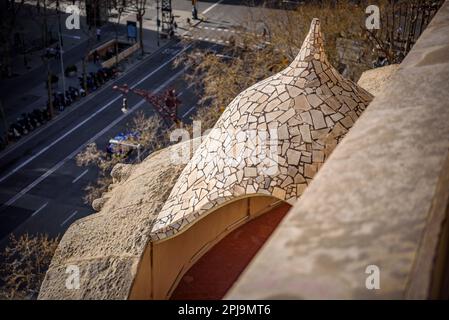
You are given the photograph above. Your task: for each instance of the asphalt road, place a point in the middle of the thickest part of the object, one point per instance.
(41, 187)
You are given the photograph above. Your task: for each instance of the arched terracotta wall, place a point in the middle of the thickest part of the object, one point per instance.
(165, 262)
(216, 271)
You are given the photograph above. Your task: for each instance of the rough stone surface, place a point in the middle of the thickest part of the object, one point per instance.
(107, 246)
(373, 200)
(374, 80)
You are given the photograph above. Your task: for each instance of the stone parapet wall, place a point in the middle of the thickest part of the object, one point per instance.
(108, 246)
(380, 199)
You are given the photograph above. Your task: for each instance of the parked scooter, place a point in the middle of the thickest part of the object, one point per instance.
(38, 117)
(89, 82)
(27, 122)
(82, 92)
(15, 132)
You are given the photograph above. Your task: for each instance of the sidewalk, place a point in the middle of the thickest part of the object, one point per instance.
(150, 18)
(27, 91)
(37, 96)
(31, 34)
(27, 86)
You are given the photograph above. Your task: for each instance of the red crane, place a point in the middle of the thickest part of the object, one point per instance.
(165, 104)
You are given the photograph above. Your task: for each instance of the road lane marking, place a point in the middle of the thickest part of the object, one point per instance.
(212, 6)
(213, 40)
(69, 217)
(80, 176)
(197, 25)
(184, 91)
(70, 36)
(188, 111)
(40, 208)
(20, 166)
(74, 153)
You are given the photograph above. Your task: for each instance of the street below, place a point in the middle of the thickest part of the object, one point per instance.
(41, 186)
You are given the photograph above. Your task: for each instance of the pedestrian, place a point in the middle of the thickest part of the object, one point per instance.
(125, 105)
(98, 34)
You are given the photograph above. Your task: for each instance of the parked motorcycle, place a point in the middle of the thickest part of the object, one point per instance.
(27, 122)
(74, 93)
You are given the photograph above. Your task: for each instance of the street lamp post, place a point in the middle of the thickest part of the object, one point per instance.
(158, 22)
(194, 10)
(62, 65)
(61, 51)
